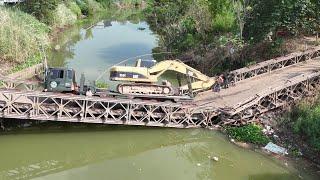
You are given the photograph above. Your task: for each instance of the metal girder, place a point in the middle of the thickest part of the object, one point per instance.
(73, 108)
(273, 64)
(272, 98)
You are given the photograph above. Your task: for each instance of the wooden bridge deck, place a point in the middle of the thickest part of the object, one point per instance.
(249, 88)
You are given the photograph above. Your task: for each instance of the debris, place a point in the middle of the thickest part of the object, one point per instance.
(232, 140)
(268, 130)
(198, 164)
(215, 158)
(141, 28)
(271, 147)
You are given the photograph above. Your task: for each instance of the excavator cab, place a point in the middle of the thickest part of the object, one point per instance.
(145, 63)
(60, 80)
(136, 73)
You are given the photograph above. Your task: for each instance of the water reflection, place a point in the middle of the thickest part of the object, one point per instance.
(93, 49)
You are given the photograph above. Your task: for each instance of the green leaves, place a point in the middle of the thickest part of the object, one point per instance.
(249, 133)
(306, 122)
(291, 16)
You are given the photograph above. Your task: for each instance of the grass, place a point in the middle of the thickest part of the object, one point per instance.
(304, 120)
(62, 16)
(250, 133)
(21, 35)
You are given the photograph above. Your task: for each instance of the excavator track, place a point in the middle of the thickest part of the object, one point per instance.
(145, 89)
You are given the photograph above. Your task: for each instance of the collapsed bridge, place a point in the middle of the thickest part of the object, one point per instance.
(258, 89)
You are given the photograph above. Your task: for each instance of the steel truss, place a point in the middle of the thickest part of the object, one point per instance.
(48, 106)
(273, 64)
(273, 98)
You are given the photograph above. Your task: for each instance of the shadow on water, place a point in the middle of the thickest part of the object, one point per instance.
(272, 177)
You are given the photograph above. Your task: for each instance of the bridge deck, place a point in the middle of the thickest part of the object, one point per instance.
(247, 89)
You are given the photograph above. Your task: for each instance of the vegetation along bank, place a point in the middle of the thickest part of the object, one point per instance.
(27, 29)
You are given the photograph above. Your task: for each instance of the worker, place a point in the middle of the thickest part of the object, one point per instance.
(89, 92)
(218, 83)
(225, 80)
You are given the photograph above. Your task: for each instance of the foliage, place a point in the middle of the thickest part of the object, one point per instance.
(290, 17)
(20, 35)
(249, 133)
(62, 16)
(41, 9)
(74, 8)
(224, 21)
(89, 7)
(306, 122)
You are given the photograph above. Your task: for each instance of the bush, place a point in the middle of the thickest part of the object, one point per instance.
(20, 35)
(306, 122)
(62, 16)
(41, 9)
(74, 8)
(89, 7)
(249, 133)
(224, 21)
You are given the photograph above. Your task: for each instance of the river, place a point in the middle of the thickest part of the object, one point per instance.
(117, 152)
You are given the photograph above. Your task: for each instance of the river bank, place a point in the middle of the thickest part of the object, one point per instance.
(23, 45)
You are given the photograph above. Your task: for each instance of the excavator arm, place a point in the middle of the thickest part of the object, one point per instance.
(200, 81)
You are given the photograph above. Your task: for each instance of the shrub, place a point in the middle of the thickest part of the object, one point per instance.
(74, 8)
(89, 7)
(306, 122)
(224, 21)
(62, 16)
(20, 35)
(41, 9)
(249, 133)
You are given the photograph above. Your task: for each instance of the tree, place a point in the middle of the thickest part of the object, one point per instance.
(40, 8)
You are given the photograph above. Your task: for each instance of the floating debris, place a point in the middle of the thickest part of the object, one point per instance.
(271, 147)
(141, 28)
(215, 158)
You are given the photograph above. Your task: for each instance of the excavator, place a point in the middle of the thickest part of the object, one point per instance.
(143, 78)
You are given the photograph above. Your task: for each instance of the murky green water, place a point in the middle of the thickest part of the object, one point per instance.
(130, 153)
(125, 153)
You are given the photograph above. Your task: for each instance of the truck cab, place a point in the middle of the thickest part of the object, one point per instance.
(60, 80)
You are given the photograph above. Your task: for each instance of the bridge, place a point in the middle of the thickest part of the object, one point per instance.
(258, 89)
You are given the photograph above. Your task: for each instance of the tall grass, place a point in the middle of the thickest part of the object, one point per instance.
(21, 35)
(305, 119)
(62, 16)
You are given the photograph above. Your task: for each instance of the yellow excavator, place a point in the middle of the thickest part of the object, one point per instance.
(143, 78)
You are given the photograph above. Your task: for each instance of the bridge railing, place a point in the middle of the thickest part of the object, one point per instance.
(273, 64)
